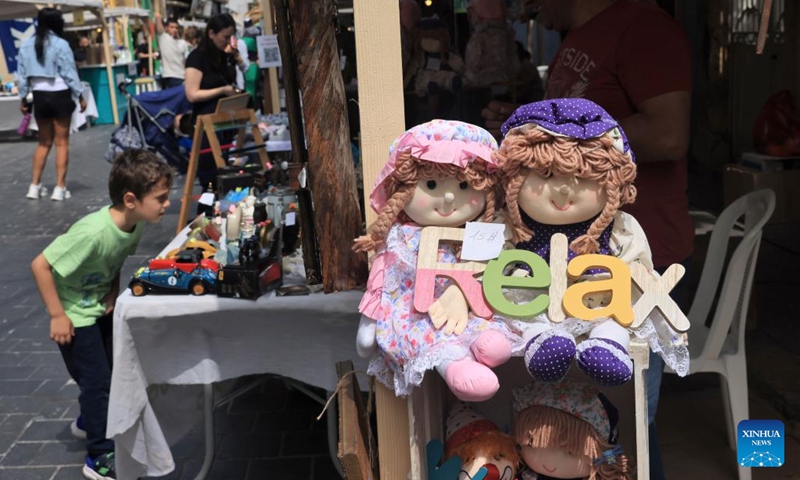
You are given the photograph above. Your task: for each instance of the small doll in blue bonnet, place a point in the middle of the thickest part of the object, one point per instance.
(568, 430)
(566, 167)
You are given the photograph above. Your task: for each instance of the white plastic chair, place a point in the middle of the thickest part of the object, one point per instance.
(720, 347)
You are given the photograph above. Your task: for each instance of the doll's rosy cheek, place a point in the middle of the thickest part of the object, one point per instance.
(475, 200)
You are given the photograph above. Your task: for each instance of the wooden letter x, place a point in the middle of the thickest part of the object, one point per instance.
(655, 295)
(462, 273)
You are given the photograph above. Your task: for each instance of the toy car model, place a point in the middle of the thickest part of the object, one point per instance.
(187, 272)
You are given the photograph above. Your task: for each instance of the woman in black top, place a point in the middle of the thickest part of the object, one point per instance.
(210, 72)
(211, 75)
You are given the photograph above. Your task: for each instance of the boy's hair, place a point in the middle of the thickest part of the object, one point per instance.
(136, 171)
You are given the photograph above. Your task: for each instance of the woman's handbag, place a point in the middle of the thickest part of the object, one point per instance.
(23, 125)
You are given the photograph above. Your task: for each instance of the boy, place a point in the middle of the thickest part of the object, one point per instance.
(78, 279)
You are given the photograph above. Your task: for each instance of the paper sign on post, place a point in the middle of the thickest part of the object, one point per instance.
(269, 54)
(482, 241)
(290, 219)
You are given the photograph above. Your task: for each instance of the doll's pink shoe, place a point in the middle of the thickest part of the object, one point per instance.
(471, 381)
(491, 348)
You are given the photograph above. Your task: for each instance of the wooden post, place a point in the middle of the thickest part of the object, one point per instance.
(271, 80)
(308, 237)
(112, 87)
(337, 215)
(380, 98)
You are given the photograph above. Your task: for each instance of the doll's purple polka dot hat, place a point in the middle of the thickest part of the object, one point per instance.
(439, 141)
(569, 117)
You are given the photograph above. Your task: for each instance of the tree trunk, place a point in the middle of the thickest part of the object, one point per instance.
(331, 173)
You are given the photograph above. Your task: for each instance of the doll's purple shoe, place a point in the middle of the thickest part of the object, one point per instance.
(549, 355)
(605, 361)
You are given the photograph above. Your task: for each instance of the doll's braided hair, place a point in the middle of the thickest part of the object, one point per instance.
(545, 427)
(400, 187)
(528, 149)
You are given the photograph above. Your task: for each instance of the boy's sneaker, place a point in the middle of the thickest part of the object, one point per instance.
(60, 193)
(101, 468)
(76, 427)
(35, 192)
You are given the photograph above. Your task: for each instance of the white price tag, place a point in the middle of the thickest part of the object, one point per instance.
(290, 219)
(482, 241)
(206, 199)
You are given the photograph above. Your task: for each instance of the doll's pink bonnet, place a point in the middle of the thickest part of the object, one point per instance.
(440, 141)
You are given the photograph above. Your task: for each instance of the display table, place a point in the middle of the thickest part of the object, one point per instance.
(10, 116)
(182, 339)
(96, 76)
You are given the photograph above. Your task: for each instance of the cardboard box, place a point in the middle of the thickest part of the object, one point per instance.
(739, 180)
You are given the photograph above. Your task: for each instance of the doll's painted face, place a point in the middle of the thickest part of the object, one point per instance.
(498, 468)
(556, 462)
(561, 199)
(445, 202)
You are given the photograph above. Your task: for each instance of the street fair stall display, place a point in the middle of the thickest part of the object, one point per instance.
(16, 9)
(574, 289)
(238, 246)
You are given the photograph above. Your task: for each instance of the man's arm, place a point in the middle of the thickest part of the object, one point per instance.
(61, 329)
(659, 131)
(159, 24)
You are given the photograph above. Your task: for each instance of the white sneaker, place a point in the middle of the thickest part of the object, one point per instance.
(35, 192)
(60, 193)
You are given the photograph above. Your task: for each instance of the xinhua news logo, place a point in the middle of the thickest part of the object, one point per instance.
(760, 443)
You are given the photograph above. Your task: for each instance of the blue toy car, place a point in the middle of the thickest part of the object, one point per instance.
(187, 272)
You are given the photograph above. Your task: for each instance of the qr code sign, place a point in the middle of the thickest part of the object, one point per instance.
(269, 55)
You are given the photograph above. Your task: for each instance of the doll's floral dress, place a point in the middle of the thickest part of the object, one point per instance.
(408, 343)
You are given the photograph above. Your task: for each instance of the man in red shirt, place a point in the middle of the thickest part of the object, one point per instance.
(633, 60)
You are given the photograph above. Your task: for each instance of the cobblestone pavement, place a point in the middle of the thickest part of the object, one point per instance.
(270, 432)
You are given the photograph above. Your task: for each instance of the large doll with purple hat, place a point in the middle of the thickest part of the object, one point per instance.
(567, 168)
(440, 173)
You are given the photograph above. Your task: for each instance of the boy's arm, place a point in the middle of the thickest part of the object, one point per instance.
(61, 329)
(111, 297)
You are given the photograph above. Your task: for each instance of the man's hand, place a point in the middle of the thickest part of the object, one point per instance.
(450, 311)
(24, 108)
(82, 102)
(61, 329)
(496, 113)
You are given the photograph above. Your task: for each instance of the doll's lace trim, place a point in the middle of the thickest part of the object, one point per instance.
(620, 355)
(665, 342)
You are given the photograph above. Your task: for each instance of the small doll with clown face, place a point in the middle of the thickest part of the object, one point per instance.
(567, 168)
(568, 430)
(439, 173)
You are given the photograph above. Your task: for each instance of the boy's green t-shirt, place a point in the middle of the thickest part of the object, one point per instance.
(85, 262)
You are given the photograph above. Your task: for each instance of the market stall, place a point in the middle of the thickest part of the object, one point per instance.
(14, 9)
(188, 340)
(125, 65)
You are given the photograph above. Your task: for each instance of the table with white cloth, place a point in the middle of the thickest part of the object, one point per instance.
(11, 117)
(188, 340)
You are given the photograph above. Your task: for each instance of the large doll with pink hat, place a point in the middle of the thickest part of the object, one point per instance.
(567, 168)
(439, 173)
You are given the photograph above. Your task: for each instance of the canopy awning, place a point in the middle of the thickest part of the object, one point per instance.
(19, 9)
(91, 21)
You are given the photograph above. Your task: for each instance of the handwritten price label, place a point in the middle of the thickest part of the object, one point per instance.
(482, 241)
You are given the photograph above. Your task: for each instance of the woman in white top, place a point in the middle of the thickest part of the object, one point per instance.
(46, 66)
